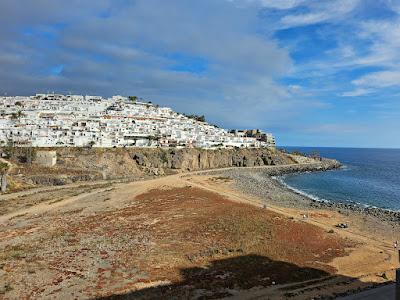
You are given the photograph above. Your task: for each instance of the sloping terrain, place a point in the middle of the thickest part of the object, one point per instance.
(189, 240)
(90, 164)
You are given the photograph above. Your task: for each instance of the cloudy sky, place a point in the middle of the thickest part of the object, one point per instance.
(317, 73)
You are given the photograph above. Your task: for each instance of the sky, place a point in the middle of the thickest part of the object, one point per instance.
(314, 73)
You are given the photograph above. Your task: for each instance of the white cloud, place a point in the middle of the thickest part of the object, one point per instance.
(374, 43)
(132, 52)
(323, 11)
(384, 37)
(394, 5)
(304, 19)
(315, 11)
(279, 4)
(357, 92)
(379, 79)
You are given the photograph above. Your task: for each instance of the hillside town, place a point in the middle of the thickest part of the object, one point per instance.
(52, 120)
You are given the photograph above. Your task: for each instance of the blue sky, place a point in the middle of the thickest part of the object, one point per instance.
(316, 73)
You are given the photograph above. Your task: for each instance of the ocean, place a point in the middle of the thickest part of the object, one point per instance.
(369, 177)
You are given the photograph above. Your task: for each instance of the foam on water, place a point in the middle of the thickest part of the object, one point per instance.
(280, 179)
(369, 177)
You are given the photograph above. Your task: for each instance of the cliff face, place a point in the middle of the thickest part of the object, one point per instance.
(116, 163)
(198, 159)
(85, 164)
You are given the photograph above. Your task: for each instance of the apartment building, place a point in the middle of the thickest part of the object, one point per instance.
(53, 120)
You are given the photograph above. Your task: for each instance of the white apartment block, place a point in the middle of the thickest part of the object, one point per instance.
(51, 120)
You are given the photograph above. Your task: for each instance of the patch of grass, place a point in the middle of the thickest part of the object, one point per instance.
(14, 252)
(243, 232)
(18, 216)
(56, 234)
(7, 288)
(163, 156)
(55, 201)
(221, 178)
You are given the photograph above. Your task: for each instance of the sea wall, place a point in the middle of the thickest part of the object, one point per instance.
(280, 170)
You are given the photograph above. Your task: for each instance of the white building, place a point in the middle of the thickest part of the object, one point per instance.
(51, 120)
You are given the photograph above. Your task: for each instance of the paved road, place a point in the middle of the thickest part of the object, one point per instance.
(386, 292)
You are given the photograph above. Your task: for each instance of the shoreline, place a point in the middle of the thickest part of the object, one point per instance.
(264, 183)
(373, 230)
(386, 215)
(174, 225)
(312, 197)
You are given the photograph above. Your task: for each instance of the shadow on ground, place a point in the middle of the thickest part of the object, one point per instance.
(225, 276)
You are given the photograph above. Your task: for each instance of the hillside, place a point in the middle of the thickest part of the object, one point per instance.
(49, 120)
(90, 164)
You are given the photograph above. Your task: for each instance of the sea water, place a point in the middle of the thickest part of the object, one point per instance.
(369, 177)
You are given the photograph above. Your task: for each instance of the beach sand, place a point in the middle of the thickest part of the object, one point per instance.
(228, 233)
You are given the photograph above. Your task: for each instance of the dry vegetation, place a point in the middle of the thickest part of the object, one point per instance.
(170, 242)
(23, 201)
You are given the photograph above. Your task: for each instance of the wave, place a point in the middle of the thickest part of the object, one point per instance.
(297, 191)
(345, 168)
(280, 179)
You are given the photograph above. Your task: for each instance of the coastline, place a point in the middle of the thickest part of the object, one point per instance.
(374, 229)
(250, 180)
(340, 204)
(187, 232)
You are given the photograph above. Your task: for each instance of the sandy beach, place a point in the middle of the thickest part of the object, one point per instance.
(225, 233)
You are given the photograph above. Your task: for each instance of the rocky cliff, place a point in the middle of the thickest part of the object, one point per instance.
(114, 163)
(83, 164)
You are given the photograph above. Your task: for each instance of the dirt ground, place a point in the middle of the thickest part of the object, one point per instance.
(179, 237)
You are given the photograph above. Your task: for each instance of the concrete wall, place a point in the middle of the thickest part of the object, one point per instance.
(46, 158)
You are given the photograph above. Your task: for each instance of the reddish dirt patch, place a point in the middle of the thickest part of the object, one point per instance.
(241, 246)
(190, 238)
(205, 220)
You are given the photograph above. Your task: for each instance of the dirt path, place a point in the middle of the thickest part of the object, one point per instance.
(135, 188)
(53, 188)
(120, 210)
(46, 189)
(48, 205)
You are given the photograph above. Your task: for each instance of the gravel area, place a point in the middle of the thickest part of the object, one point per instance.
(262, 182)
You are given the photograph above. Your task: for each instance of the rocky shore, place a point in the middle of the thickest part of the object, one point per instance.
(190, 236)
(264, 183)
